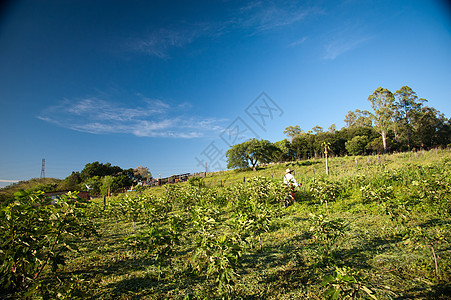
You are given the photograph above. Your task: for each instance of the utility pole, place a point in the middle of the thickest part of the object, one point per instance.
(43, 168)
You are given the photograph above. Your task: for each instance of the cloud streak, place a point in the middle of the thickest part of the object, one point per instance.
(154, 118)
(251, 18)
(340, 46)
(268, 15)
(298, 42)
(160, 42)
(343, 39)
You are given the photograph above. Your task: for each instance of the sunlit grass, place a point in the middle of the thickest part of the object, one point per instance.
(387, 237)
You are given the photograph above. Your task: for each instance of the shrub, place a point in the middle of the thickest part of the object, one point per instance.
(35, 233)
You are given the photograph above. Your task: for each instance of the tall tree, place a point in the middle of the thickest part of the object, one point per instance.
(382, 102)
(431, 128)
(142, 173)
(332, 129)
(292, 131)
(407, 106)
(299, 146)
(317, 129)
(358, 118)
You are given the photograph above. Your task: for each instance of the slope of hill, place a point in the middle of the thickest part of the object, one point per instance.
(43, 184)
(375, 228)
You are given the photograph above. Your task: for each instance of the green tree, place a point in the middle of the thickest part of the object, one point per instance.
(407, 106)
(382, 102)
(338, 141)
(299, 147)
(93, 184)
(251, 152)
(332, 128)
(431, 128)
(142, 173)
(376, 145)
(310, 139)
(350, 119)
(358, 118)
(107, 182)
(357, 145)
(284, 152)
(317, 129)
(292, 131)
(71, 183)
(121, 182)
(99, 169)
(319, 141)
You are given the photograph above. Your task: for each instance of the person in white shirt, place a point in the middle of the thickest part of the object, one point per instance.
(289, 179)
(291, 183)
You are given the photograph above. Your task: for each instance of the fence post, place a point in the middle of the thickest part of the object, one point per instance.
(104, 202)
(244, 179)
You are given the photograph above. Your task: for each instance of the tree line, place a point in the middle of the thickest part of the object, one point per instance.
(398, 122)
(97, 178)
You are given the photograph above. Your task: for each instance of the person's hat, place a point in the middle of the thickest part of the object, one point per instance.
(288, 171)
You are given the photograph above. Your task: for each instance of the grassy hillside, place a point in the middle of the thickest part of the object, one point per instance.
(32, 184)
(383, 234)
(338, 166)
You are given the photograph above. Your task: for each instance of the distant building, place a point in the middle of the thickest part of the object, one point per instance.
(56, 195)
(172, 179)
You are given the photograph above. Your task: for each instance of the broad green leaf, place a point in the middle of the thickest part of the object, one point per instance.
(329, 292)
(328, 279)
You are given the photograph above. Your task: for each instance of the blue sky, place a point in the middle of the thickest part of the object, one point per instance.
(172, 84)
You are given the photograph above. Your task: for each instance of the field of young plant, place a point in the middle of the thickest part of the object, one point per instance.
(375, 228)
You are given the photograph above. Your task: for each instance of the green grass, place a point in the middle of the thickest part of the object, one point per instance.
(390, 215)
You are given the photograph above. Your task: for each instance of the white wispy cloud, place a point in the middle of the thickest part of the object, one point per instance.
(345, 38)
(339, 46)
(268, 15)
(252, 17)
(298, 42)
(154, 118)
(161, 41)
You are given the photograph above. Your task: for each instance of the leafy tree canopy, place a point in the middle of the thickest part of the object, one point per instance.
(292, 131)
(99, 169)
(251, 152)
(383, 104)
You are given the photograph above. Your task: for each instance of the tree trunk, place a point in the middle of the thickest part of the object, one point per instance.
(384, 140)
(397, 136)
(408, 137)
(254, 164)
